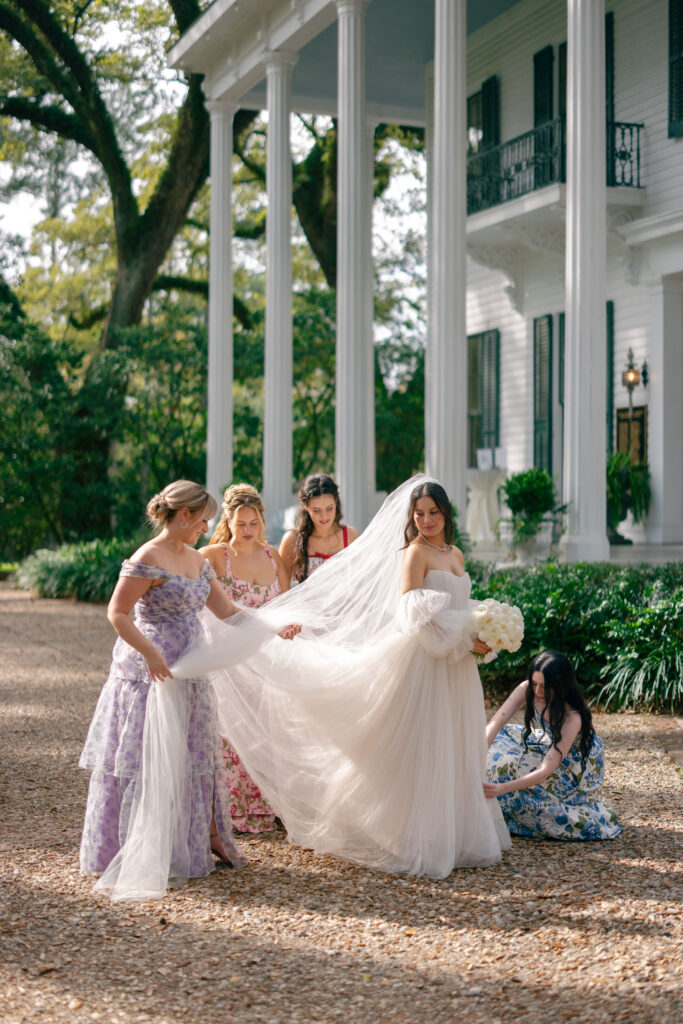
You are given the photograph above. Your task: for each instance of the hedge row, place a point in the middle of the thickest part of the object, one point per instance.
(621, 626)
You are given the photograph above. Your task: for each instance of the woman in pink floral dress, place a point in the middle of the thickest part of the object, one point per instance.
(252, 573)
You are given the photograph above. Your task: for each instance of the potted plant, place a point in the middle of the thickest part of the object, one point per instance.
(532, 501)
(628, 490)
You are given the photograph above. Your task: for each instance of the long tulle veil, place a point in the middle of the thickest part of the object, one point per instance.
(304, 714)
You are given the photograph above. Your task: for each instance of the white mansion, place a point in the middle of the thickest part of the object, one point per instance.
(554, 137)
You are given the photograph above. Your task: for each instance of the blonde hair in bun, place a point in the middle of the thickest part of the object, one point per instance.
(237, 496)
(162, 508)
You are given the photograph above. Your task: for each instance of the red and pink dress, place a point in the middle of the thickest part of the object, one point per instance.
(316, 560)
(248, 809)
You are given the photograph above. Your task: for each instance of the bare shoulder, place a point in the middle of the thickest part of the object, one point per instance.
(352, 533)
(415, 555)
(275, 553)
(457, 554)
(147, 553)
(288, 541)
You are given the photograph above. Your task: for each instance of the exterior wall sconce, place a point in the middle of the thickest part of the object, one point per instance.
(630, 378)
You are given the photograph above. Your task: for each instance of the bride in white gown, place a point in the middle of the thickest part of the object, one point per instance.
(367, 732)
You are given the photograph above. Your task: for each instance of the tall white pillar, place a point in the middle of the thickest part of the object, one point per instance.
(665, 412)
(446, 388)
(219, 429)
(429, 156)
(369, 334)
(585, 343)
(353, 231)
(277, 426)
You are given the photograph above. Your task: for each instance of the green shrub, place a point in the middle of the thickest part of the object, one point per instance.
(615, 623)
(85, 571)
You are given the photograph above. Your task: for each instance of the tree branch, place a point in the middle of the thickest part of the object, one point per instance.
(49, 118)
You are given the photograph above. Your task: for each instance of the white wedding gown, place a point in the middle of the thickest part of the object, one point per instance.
(367, 732)
(383, 763)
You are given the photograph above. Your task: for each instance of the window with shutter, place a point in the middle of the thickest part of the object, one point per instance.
(544, 141)
(610, 377)
(490, 104)
(609, 99)
(675, 68)
(543, 86)
(543, 376)
(483, 391)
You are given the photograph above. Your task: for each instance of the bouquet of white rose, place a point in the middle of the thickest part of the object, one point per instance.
(499, 625)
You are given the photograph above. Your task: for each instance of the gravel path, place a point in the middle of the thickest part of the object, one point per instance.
(584, 933)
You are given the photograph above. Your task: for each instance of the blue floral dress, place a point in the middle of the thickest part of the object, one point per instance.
(568, 805)
(167, 615)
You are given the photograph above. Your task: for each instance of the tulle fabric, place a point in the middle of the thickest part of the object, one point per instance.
(365, 733)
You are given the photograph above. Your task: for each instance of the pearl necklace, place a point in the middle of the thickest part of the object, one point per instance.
(446, 547)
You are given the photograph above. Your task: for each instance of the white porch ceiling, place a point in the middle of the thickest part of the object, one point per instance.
(224, 44)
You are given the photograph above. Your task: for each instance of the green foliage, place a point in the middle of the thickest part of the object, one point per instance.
(85, 571)
(609, 620)
(530, 495)
(628, 487)
(648, 668)
(60, 415)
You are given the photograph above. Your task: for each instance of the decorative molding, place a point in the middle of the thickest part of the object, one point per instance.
(507, 260)
(549, 241)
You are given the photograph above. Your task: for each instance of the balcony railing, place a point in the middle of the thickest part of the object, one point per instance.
(538, 158)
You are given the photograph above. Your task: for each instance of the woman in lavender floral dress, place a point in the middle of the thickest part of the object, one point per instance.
(166, 584)
(252, 573)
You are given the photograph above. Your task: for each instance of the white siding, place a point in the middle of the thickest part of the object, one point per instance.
(505, 48)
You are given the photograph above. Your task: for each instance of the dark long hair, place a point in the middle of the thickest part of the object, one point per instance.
(314, 486)
(561, 688)
(435, 491)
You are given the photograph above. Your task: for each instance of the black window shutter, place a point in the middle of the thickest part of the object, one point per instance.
(560, 358)
(543, 86)
(473, 399)
(490, 101)
(562, 80)
(489, 362)
(610, 377)
(609, 98)
(675, 68)
(543, 376)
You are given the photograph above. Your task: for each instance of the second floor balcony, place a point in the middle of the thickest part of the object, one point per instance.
(538, 158)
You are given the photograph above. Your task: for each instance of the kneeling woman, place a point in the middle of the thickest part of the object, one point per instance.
(548, 773)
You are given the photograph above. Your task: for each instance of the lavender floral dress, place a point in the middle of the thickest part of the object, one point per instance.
(167, 615)
(249, 810)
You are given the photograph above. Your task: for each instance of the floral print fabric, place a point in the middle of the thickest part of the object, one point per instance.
(568, 805)
(167, 615)
(249, 810)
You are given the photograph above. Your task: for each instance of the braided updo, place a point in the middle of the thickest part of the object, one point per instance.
(236, 497)
(162, 508)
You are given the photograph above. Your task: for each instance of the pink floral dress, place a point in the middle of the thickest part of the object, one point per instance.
(248, 809)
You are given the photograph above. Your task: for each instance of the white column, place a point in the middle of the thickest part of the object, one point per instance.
(219, 428)
(585, 343)
(665, 413)
(277, 426)
(353, 229)
(368, 382)
(446, 389)
(429, 157)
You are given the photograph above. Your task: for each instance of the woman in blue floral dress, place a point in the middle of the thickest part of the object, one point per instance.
(548, 773)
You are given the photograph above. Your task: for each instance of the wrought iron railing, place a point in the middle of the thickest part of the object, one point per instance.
(538, 158)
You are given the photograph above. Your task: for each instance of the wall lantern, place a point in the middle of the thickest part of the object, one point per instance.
(631, 377)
